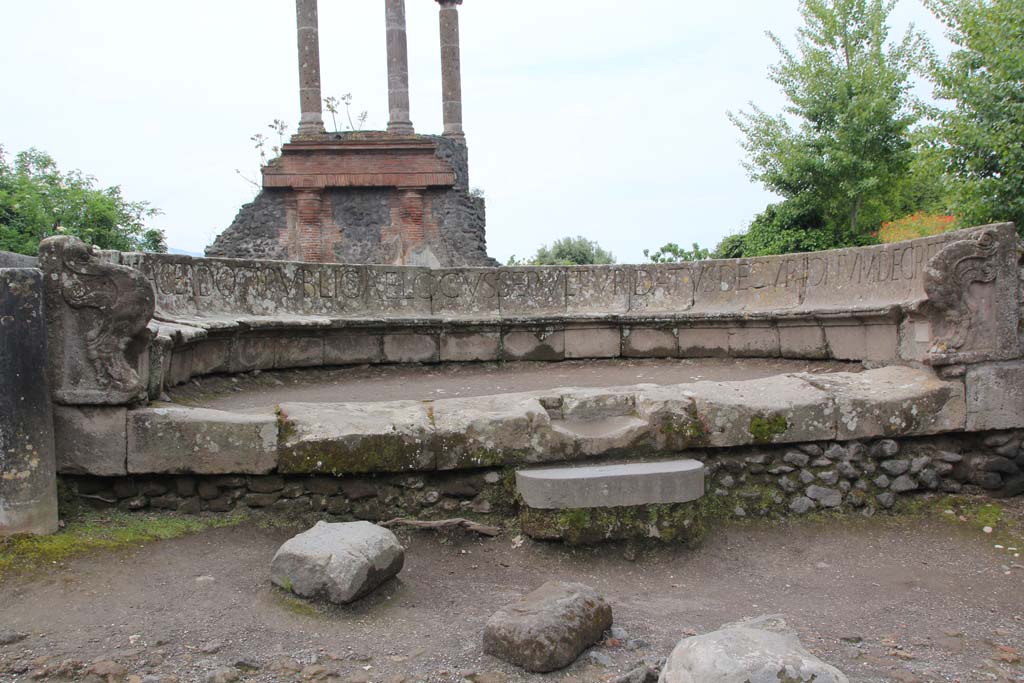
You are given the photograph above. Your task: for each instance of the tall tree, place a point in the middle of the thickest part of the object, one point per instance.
(843, 139)
(37, 200)
(983, 132)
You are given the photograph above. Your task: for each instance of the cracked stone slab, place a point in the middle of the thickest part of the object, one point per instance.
(893, 401)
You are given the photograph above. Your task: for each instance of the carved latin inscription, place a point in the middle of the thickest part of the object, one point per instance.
(95, 312)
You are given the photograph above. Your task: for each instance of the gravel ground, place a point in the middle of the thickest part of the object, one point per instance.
(913, 598)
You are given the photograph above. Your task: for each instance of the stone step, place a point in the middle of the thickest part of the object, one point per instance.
(624, 485)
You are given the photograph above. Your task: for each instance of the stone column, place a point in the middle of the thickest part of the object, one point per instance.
(398, 68)
(28, 469)
(312, 121)
(451, 69)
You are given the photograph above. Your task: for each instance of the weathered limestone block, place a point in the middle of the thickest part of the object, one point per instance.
(995, 396)
(352, 348)
(892, 401)
(173, 439)
(337, 562)
(802, 341)
(410, 348)
(545, 344)
(487, 430)
(596, 486)
(598, 342)
(28, 479)
(353, 438)
(761, 649)
(91, 440)
(597, 422)
(643, 342)
(779, 409)
(859, 341)
(96, 315)
(548, 629)
(754, 341)
(470, 346)
(708, 342)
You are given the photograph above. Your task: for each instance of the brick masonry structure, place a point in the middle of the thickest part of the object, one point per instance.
(394, 198)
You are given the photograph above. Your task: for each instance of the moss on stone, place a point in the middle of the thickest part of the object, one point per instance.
(764, 428)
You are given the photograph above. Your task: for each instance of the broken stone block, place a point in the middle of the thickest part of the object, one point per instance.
(548, 629)
(337, 562)
(760, 649)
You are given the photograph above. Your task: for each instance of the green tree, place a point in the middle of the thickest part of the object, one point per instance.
(843, 140)
(673, 253)
(37, 201)
(983, 131)
(570, 251)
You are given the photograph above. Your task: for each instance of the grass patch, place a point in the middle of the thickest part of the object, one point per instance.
(91, 531)
(296, 605)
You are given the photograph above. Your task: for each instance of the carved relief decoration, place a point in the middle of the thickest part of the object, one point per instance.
(105, 307)
(947, 281)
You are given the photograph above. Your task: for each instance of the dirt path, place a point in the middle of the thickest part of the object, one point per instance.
(904, 599)
(398, 382)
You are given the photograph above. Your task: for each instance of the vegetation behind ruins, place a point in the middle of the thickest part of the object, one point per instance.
(857, 159)
(38, 200)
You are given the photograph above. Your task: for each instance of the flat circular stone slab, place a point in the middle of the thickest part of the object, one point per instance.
(638, 483)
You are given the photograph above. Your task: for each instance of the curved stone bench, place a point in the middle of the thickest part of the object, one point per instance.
(947, 299)
(557, 425)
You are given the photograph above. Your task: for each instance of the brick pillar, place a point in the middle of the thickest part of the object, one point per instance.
(312, 121)
(399, 122)
(309, 226)
(451, 69)
(410, 213)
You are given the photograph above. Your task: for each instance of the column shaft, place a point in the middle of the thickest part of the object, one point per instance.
(311, 105)
(451, 68)
(399, 122)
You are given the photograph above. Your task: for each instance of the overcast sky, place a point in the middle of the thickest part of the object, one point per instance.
(600, 118)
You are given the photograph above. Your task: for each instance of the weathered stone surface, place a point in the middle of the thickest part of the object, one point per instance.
(995, 396)
(543, 344)
(28, 480)
(778, 409)
(175, 439)
(640, 342)
(345, 348)
(487, 430)
(760, 650)
(548, 629)
(470, 346)
(91, 440)
(674, 481)
(598, 342)
(892, 401)
(96, 317)
(410, 348)
(353, 438)
(972, 285)
(337, 562)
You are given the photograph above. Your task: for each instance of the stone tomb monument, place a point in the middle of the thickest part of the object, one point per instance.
(390, 197)
(936, 321)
